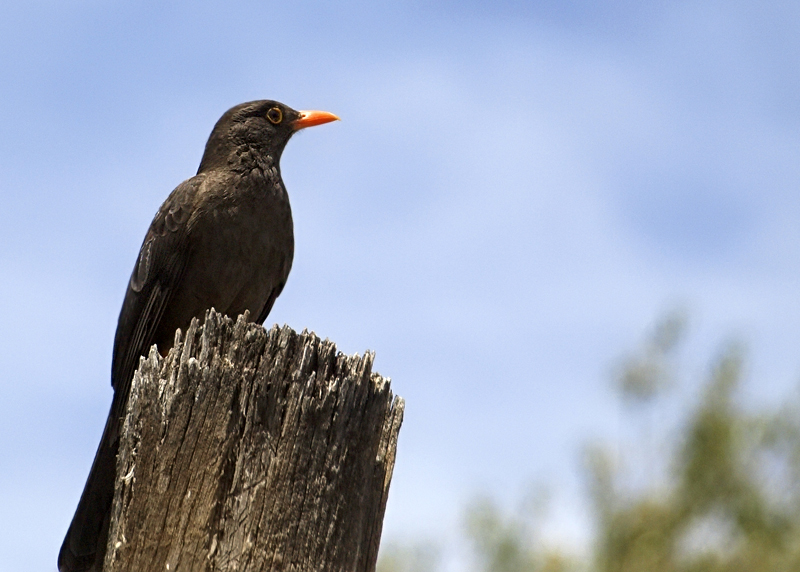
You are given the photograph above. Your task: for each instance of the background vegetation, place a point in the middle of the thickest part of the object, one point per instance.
(715, 492)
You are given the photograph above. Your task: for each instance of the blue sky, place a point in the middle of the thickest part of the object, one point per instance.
(514, 194)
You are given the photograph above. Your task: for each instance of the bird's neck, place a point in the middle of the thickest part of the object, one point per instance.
(247, 158)
(262, 170)
(239, 152)
(244, 159)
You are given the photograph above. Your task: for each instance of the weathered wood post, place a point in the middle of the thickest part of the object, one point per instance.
(246, 449)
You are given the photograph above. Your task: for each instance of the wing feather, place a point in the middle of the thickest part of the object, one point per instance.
(156, 276)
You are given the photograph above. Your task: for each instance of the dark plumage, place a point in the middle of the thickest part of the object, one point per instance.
(223, 238)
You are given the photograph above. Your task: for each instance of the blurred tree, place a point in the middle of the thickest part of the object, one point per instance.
(511, 543)
(417, 557)
(649, 370)
(728, 499)
(731, 500)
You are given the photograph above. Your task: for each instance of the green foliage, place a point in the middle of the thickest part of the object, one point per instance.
(509, 543)
(503, 545)
(731, 501)
(728, 499)
(422, 557)
(647, 372)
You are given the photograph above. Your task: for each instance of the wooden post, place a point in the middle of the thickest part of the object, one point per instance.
(248, 450)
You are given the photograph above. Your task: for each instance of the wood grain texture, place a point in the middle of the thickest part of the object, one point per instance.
(246, 449)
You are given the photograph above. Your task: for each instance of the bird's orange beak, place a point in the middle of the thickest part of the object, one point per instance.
(311, 118)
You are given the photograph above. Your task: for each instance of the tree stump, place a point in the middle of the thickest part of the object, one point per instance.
(245, 449)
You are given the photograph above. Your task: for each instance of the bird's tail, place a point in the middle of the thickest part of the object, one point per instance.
(84, 546)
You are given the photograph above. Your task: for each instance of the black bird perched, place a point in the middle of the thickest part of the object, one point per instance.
(223, 238)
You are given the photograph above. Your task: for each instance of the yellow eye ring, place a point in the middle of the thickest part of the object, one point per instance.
(275, 115)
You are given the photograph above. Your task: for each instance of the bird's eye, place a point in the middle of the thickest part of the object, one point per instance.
(275, 115)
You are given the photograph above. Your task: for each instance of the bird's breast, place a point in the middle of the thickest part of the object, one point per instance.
(242, 249)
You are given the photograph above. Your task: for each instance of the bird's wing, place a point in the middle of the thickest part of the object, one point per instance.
(156, 275)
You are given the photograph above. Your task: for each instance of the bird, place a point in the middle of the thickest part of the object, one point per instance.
(223, 238)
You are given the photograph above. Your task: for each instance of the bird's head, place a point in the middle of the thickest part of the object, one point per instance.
(257, 130)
